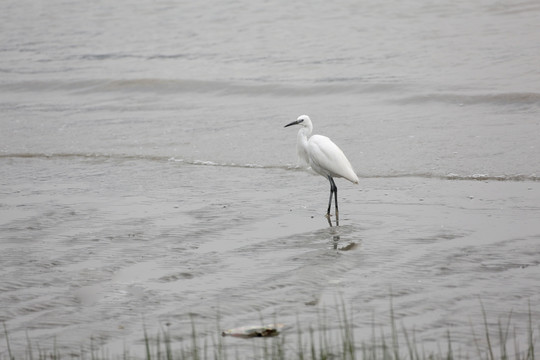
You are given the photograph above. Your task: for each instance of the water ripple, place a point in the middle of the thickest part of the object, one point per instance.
(287, 167)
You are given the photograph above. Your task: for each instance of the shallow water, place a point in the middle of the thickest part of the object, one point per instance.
(146, 176)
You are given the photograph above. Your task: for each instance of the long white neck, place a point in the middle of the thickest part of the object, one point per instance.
(302, 142)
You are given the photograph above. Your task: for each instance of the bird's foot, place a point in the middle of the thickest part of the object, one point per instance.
(328, 216)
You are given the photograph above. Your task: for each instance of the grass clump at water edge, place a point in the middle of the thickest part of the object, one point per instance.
(319, 343)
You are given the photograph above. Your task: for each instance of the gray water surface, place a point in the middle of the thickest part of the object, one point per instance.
(146, 177)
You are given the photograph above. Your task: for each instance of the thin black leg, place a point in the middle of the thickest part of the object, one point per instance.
(331, 192)
(333, 189)
(337, 211)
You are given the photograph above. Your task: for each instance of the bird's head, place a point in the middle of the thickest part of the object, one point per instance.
(303, 120)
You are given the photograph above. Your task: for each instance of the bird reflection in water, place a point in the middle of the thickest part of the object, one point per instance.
(337, 243)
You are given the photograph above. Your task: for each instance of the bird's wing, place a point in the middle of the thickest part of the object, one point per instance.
(327, 158)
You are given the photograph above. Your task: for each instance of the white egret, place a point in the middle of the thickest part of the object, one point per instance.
(324, 157)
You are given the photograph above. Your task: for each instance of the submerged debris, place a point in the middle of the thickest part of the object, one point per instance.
(254, 331)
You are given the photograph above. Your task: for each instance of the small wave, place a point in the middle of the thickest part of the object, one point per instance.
(128, 157)
(108, 56)
(258, 87)
(458, 177)
(235, 165)
(527, 98)
(287, 167)
(223, 87)
(88, 156)
(119, 56)
(510, 8)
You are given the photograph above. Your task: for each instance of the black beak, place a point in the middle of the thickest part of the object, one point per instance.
(296, 122)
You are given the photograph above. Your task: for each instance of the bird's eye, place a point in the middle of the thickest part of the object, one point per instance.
(301, 120)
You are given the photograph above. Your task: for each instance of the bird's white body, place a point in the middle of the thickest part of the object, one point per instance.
(324, 157)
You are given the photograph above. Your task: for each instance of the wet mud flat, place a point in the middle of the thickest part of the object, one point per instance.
(95, 248)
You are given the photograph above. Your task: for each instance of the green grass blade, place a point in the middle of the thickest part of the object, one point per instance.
(7, 342)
